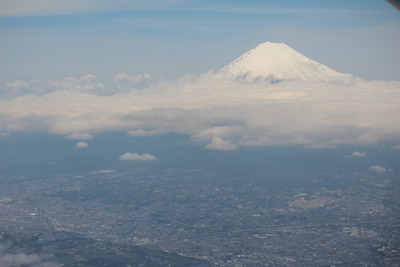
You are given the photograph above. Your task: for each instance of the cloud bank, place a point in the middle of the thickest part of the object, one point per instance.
(214, 109)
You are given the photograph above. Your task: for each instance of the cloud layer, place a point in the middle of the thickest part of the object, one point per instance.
(214, 109)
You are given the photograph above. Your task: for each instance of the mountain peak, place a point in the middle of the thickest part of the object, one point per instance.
(275, 62)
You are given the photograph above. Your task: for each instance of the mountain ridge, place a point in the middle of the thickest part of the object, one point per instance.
(275, 62)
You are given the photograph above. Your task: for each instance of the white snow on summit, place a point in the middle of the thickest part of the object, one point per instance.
(275, 62)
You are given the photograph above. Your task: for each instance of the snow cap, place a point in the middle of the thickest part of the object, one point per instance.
(275, 62)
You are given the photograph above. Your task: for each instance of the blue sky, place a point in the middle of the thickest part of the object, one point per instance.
(54, 39)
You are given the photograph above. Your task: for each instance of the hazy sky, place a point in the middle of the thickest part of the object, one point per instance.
(53, 39)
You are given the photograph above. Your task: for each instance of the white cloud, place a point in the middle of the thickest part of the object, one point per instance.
(79, 136)
(17, 84)
(219, 131)
(87, 83)
(18, 87)
(133, 78)
(313, 115)
(396, 147)
(357, 154)
(81, 145)
(379, 169)
(137, 157)
(219, 144)
(126, 83)
(23, 259)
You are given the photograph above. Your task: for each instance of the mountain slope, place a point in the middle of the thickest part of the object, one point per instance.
(275, 62)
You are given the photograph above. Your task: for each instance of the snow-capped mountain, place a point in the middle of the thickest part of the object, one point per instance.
(274, 62)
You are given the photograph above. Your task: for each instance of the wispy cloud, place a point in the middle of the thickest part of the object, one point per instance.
(320, 146)
(15, 8)
(143, 133)
(356, 154)
(87, 83)
(2, 134)
(18, 8)
(79, 136)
